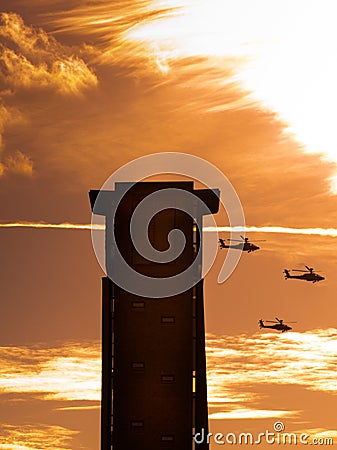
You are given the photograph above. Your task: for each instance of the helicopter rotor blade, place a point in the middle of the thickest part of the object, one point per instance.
(235, 240)
(305, 271)
(243, 238)
(271, 321)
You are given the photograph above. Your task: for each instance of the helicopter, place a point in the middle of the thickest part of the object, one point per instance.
(244, 245)
(279, 325)
(308, 275)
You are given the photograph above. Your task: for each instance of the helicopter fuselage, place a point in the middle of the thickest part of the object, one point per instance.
(278, 326)
(313, 277)
(245, 246)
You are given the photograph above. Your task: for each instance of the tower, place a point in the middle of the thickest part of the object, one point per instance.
(154, 392)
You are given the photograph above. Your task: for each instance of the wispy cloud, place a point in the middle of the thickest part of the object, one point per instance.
(321, 433)
(332, 232)
(110, 22)
(237, 365)
(329, 232)
(209, 46)
(145, 36)
(253, 414)
(35, 437)
(70, 372)
(61, 226)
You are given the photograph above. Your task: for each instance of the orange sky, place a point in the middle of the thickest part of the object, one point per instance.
(85, 89)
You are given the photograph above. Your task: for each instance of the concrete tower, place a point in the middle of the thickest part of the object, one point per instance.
(154, 392)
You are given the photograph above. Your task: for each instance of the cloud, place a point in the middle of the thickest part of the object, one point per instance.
(61, 226)
(253, 414)
(214, 42)
(31, 58)
(239, 364)
(326, 232)
(18, 163)
(35, 437)
(8, 116)
(322, 433)
(229, 62)
(70, 372)
(4, 116)
(137, 37)
(110, 21)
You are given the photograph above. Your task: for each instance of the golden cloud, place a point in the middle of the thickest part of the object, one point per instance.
(226, 59)
(135, 35)
(324, 232)
(32, 58)
(322, 433)
(3, 118)
(8, 115)
(252, 414)
(29, 437)
(70, 372)
(237, 366)
(18, 163)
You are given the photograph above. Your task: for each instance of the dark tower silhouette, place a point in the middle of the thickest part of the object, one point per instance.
(154, 392)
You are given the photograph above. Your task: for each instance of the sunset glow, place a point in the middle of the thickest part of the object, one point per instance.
(71, 373)
(283, 64)
(279, 54)
(237, 365)
(28, 437)
(67, 373)
(88, 88)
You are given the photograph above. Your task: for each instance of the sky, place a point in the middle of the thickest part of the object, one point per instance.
(88, 86)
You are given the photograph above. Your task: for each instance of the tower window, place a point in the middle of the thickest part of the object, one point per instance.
(167, 438)
(168, 319)
(138, 365)
(168, 378)
(138, 304)
(137, 424)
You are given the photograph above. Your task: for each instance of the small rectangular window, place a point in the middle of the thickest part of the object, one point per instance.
(138, 304)
(168, 319)
(137, 424)
(168, 378)
(137, 365)
(167, 438)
